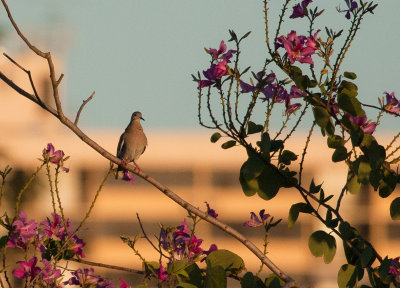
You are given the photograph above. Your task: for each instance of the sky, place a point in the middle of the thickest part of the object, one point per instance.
(139, 55)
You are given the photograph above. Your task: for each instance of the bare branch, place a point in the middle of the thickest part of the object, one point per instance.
(81, 108)
(119, 268)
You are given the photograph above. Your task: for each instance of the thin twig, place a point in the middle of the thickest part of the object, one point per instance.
(81, 108)
(114, 267)
(147, 238)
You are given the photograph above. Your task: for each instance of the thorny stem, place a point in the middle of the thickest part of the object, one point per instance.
(53, 202)
(94, 200)
(26, 187)
(58, 198)
(303, 155)
(390, 145)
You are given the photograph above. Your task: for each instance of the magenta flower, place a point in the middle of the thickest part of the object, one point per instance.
(27, 269)
(55, 227)
(210, 211)
(77, 246)
(128, 176)
(367, 126)
(50, 273)
(298, 48)
(394, 268)
(161, 273)
(255, 221)
(23, 231)
(86, 278)
(220, 53)
(262, 82)
(123, 284)
(392, 104)
(55, 157)
(351, 5)
(300, 10)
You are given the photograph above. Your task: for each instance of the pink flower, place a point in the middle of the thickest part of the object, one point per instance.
(210, 211)
(123, 284)
(27, 269)
(55, 157)
(50, 273)
(367, 126)
(77, 246)
(55, 227)
(23, 231)
(220, 53)
(392, 104)
(298, 48)
(128, 176)
(300, 10)
(161, 273)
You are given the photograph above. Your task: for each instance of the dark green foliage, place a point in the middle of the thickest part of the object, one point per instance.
(228, 144)
(215, 137)
(295, 211)
(395, 209)
(322, 244)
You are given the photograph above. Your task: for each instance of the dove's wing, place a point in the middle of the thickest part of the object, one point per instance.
(121, 146)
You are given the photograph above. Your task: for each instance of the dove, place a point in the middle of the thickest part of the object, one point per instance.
(132, 142)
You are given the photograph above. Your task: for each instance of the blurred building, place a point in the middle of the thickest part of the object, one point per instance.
(193, 168)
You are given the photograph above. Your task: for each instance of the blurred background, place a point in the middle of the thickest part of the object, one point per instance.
(138, 55)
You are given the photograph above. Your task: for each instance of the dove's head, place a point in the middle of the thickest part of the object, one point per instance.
(137, 115)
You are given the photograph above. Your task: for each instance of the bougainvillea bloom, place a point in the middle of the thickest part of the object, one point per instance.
(27, 269)
(55, 157)
(210, 211)
(23, 231)
(351, 5)
(298, 48)
(367, 126)
(255, 221)
(392, 104)
(300, 10)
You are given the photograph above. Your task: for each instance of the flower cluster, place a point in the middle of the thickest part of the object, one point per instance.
(33, 273)
(55, 157)
(219, 66)
(22, 233)
(86, 278)
(298, 48)
(268, 85)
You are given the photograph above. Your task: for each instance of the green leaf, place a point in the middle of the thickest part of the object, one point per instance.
(350, 104)
(348, 88)
(215, 137)
(321, 116)
(276, 145)
(350, 75)
(322, 244)
(265, 144)
(347, 276)
(286, 157)
(177, 266)
(364, 169)
(295, 210)
(353, 186)
(356, 136)
(252, 168)
(367, 257)
(347, 231)
(215, 277)
(387, 184)
(194, 275)
(394, 209)
(335, 141)
(251, 281)
(249, 187)
(340, 154)
(269, 183)
(254, 128)
(226, 259)
(3, 241)
(228, 144)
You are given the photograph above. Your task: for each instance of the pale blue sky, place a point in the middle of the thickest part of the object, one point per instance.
(138, 55)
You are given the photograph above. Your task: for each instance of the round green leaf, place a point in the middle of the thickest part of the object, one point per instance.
(335, 141)
(215, 277)
(269, 183)
(295, 210)
(340, 154)
(252, 168)
(350, 104)
(226, 259)
(321, 116)
(322, 244)
(395, 209)
(346, 276)
(249, 187)
(350, 75)
(254, 128)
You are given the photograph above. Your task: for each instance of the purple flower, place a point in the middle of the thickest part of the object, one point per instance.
(351, 5)
(220, 53)
(161, 273)
(210, 211)
(27, 269)
(128, 176)
(213, 247)
(367, 126)
(262, 81)
(49, 273)
(23, 231)
(77, 246)
(246, 88)
(392, 104)
(86, 278)
(55, 227)
(298, 48)
(300, 10)
(123, 284)
(255, 221)
(55, 157)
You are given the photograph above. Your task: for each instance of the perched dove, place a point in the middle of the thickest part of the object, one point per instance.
(132, 142)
